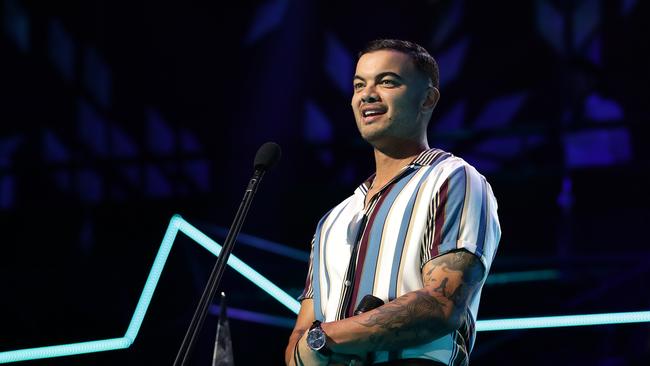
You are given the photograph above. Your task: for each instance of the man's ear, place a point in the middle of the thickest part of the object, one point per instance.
(431, 99)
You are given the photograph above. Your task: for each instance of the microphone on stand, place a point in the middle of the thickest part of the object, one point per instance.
(267, 156)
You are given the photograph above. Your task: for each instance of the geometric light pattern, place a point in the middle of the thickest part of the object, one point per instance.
(65, 350)
(176, 224)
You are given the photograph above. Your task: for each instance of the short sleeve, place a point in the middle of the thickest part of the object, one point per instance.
(308, 291)
(462, 215)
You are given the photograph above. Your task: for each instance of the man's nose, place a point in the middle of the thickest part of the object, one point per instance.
(369, 96)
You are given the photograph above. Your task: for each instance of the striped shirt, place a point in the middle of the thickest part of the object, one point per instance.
(437, 204)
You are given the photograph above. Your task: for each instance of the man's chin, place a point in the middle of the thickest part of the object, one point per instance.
(373, 132)
(377, 140)
(372, 138)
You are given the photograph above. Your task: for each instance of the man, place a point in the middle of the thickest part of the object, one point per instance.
(420, 233)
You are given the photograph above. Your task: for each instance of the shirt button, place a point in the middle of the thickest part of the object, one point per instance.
(347, 283)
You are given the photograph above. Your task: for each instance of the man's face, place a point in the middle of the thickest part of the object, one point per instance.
(390, 97)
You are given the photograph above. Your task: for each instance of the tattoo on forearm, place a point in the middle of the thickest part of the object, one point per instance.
(416, 316)
(406, 318)
(442, 288)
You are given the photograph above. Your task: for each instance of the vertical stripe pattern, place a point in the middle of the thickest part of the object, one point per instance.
(436, 204)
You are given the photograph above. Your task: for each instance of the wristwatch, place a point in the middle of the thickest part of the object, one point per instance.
(317, 339)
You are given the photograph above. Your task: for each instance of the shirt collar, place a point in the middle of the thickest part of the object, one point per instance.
(424, 158)
(427, 157)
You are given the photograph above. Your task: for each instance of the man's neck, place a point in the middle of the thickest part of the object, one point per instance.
(390, 162)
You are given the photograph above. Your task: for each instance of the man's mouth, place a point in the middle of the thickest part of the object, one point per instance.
(371, 114)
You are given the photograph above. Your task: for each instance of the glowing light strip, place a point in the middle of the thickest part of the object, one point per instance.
(266, 245)
(481, 325)
(154, 276)
(239, 266)
(65, 350)
(563, 321)
(176, 224)
(526, 276)
(255, 317)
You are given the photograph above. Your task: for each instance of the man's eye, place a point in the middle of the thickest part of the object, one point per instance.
(389, 82)
(358, 86)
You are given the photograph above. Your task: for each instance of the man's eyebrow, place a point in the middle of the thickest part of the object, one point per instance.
(387, 73)
(380, 76)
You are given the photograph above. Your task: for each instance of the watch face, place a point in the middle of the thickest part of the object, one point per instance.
(316, 339)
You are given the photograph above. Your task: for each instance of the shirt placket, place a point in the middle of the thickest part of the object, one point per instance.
(352, 265)
(372, 206)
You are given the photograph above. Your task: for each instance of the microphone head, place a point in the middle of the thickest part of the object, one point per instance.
(368, 303)
(267, 156)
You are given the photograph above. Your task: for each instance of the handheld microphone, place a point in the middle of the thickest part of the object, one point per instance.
(368, 303)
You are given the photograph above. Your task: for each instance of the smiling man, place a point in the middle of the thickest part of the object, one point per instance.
(420, 234)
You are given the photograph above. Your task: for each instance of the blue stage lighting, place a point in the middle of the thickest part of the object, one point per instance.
(177, 224)
(524, 276)
(563, 321)
(65, 350)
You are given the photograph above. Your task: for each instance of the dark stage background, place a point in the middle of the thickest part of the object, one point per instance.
(116, 115)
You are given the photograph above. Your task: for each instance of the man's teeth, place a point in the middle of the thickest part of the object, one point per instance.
(371, 113)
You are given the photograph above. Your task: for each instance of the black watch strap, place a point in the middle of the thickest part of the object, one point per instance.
(325, 351)
(315, 324)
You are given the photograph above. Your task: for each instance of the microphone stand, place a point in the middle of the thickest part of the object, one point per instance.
(217, 272)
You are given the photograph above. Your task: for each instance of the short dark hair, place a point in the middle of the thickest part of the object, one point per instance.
(423, 61)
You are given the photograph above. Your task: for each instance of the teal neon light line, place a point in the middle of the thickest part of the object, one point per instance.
(481, 325)
(241, 267)
(525, 276)
(176, 224)
(563, 321)
(266, 245)
(65, 350)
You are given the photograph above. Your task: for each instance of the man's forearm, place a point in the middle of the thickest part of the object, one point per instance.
(414, 318)
(289, 357)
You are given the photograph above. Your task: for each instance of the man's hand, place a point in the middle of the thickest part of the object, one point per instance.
(303, 355)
